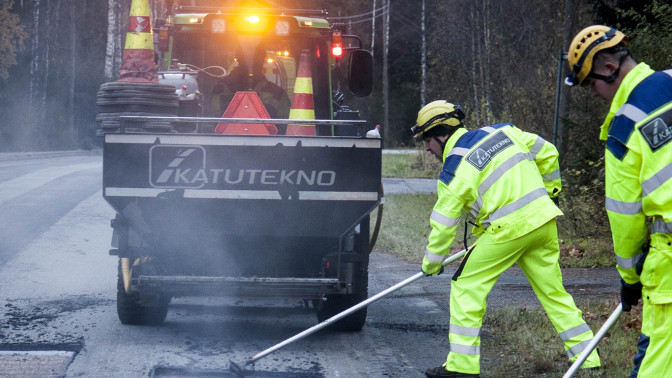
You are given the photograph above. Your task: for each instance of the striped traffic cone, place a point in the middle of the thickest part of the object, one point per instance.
(302, 99)
(138, 64)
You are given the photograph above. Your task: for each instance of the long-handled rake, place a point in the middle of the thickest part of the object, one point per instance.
(239, 369)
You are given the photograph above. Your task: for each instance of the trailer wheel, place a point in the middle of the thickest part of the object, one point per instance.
(339, 303)
(131, 312)
(336, 304)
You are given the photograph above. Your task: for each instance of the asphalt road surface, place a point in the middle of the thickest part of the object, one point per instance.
(58, 300)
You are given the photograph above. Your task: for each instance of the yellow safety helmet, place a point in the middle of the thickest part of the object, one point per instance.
(585, 45)
(439, 112)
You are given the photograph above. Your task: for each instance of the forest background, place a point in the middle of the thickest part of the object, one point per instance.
(500, 59)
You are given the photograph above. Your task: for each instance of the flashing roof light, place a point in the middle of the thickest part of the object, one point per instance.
(195, 20)
(336, 44)
(253, 19)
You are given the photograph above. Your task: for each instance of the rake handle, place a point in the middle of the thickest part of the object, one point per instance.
(349, 311)
(593, 343)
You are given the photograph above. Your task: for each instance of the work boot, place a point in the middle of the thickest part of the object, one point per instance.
(441, 372)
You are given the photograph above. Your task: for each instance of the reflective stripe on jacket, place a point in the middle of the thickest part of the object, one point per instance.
(494, 174)
(638, 163)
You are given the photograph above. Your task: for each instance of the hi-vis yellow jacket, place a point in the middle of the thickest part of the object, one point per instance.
(501, 176)
(638, 163)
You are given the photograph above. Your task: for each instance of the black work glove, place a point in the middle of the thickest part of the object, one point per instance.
(639, 267)
(436, 273)
(630, 294)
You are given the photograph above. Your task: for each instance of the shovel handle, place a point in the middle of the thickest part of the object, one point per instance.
(349, 311)
(593, 343)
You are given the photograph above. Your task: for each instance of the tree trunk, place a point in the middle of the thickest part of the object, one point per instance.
(474, 66)
(423, 67)
(386, 86)
(373, 29)
(485, 63)
(73, 67)
(564, 95)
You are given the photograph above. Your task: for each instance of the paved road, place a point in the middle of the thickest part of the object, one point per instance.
(58, 309)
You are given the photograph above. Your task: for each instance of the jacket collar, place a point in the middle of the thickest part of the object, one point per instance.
(630, 81)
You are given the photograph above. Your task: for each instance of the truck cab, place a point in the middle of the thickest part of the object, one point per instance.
(229, 50)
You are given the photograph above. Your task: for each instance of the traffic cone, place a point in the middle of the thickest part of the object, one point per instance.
(138, 64)
(302, 99)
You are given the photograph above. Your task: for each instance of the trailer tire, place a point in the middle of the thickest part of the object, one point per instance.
(336, 304)
(131, 312)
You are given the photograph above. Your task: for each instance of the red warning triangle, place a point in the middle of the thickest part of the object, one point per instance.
(246, 104)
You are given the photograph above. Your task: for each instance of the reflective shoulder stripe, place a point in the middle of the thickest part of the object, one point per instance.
(668, 72)
(660, 226)
(488, 129)
(578, 348)
(628, 262)
(515, 205)
(622, 207)
(657, 180)
(465, 349)
(551, 176)
(444, 220)
(632, 112)
(458, 151)
(465, 331)
(536, 147)
(433, 257)
(573, 332)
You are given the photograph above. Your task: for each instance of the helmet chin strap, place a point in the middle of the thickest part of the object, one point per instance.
(442, 144)
(610, 79)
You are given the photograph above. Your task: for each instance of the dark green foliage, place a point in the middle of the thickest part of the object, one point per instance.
(12, 37)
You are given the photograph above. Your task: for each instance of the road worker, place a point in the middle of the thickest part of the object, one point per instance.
(638, 168)
(503, 178)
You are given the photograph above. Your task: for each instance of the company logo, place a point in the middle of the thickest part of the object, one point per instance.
(481, 156)
(656, 133)
(176, 166)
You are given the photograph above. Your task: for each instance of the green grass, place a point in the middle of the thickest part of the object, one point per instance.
(520, 342)
(405, 226)
(420, 165)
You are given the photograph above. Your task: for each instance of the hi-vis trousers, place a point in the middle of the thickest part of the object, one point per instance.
(655, 343)
(537, 254)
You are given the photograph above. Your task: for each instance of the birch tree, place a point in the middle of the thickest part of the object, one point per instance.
(114, 49)
(423, 59)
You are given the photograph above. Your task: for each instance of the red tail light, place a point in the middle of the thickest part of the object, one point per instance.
(336, 45)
